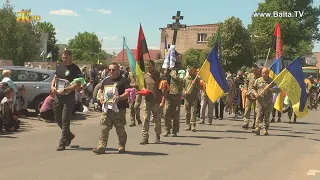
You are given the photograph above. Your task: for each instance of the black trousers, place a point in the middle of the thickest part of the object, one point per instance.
(47, 115)
(219, 109)
(63, 107)
(274, 113)
(198, 108)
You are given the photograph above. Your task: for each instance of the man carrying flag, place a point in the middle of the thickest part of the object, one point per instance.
(264, 103)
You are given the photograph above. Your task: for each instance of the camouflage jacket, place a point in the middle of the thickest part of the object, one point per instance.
(249, 85)
(258, 87)
(195, 90)
(176, 83)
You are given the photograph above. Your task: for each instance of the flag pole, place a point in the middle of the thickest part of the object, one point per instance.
(123, 51)
(267, 57)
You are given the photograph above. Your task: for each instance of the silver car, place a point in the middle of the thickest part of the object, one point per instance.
(37, 83)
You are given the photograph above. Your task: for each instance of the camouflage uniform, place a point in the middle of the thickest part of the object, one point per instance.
(264, 104)
(110, 118)
(134, 106)
(250, 100)
(205, 101)
(190, 103)
(153, 100)
(173, 101)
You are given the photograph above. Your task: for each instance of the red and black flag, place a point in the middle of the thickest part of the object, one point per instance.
(142, 48)
(277, 41)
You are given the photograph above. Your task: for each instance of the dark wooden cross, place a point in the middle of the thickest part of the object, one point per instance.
(176, 26)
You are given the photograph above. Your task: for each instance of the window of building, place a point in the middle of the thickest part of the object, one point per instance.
(202, 37)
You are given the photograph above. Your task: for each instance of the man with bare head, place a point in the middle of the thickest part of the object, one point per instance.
(264, 105)
(250, 98)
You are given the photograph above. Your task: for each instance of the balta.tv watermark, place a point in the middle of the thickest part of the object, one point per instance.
(280, 14)
(26, 16)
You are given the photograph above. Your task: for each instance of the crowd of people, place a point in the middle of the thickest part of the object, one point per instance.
(114, 89)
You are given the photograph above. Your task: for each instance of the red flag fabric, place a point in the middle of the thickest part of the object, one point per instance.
(144, 92)
(277, 41)
(142, 48)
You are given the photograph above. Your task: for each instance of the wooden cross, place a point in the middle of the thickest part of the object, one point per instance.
(176, 26)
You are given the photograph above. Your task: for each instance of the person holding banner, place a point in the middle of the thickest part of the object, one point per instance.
(191, 91)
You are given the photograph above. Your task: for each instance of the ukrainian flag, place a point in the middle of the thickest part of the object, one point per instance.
(291, 81)
(213, 75)
(136, 70)
(274, 70)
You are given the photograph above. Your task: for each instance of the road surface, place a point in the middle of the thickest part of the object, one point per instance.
(220, 151)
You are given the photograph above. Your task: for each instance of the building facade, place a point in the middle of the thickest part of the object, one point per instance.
(194, 36)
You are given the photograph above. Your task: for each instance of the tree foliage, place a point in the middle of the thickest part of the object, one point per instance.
(298, 33)
(18, 41)
(47, 27)
(194, 57)
(86, 46)
(235, 45)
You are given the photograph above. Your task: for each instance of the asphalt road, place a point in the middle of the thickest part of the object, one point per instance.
(220, 151)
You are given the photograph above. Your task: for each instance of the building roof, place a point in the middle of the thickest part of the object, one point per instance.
(153, 55)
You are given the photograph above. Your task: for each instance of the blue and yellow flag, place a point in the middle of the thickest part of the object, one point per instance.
(135, 68)
(213, 75)
(291, 81)
(275, 70)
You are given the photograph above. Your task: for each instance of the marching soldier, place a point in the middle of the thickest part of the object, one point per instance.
(117, 115)
(153, 102)
(191, 91)
(205, 102)
(264, 103)
(250, 98)
(173, 99)
(134, 106)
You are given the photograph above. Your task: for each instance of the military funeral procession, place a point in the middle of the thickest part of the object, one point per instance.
(116, 90)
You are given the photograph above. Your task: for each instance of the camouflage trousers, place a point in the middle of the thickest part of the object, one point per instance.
(135, 109)
(155, 109)
(205, 101)
(247, 112)
(190, 107)
(110, 119)
(263, 111)
(172, 112)
(63, 107)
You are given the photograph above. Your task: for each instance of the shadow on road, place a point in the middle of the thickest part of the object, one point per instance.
(179, 143)
(7, 135)
(212, 137)
(143, 153)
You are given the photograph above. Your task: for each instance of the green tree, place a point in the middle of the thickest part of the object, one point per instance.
(298, 33)
(235, 44)
(192, 58)
(47, 27)
(18, 41)
(86, 46)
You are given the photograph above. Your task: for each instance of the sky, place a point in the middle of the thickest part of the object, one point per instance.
(113, 20)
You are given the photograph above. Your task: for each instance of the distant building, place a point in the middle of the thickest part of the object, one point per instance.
(194, 36)
(122, 56)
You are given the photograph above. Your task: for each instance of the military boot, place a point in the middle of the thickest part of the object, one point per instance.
(99, 150)
(132, 124)
(174, 135)
(193, 129)
(70, 138)
(144, 141)
(201, 122)
(61, 147)
(257, 131)
(210, 122)
(279, 120)
(272, 120)
(265, 132)
(157, 140)
(188, 128)
(166, 134)
(121, 148)
(245, 126)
